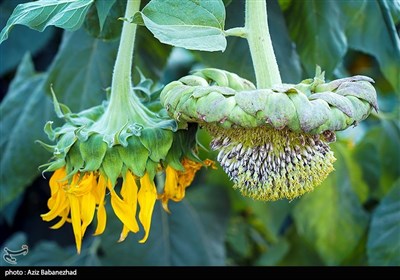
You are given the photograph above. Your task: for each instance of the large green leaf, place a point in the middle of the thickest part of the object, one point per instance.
(377, 156)
(193, 234)
(384, 235)
(82, 71)
(369, 22)
(22, 40)
(236, 58)
(67, 14)
(24, 112)
(190, 24)
(318, 29)
(331, 218)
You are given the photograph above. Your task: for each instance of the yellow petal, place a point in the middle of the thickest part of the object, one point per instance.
(170, 187)
(123, 211)
(100, 191)
(57, 180)
(123, 234)
(56, 205)
(129, 194)
(64, 217)
(76, 220)
(82, 186)
(88, 206)
(101, 219)
(147, 198)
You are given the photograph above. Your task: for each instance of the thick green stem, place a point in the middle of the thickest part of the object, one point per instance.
(262, 52)
(121, 80)
(124, 107)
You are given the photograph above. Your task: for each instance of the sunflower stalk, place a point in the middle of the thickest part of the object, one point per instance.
(260, 44)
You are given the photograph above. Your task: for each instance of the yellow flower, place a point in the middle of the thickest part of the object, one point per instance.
(176, 181)
(76, 199)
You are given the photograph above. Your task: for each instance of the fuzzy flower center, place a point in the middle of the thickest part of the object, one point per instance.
(270, 164)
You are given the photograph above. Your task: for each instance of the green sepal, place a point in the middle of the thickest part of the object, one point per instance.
(93, 151)
(280, 111)
(112, 164)
(134, 156)
(151, 168)
(53, 166)
(157, 141)
(74, 159)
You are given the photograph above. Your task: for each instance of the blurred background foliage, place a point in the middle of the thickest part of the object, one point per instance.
(353, 218)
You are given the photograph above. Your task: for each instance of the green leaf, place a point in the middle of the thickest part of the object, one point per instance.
(24, 40)
(190, 24)
(82, 71)
(237, 48)
(318, 29)
(152, 56)
(24, 112)
(67, 14)
(274, 253)
(364, 18)
(193, 234)
(272, 215)
(300, 253)
(331, 217)
(103, 8)
(108, 28)
(376, 156)
(383, 247)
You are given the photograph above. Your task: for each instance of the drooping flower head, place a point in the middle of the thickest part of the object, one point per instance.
(98, 146)
(273, 143)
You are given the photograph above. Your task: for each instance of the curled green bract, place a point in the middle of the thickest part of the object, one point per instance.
(312, 106)
(273, 143)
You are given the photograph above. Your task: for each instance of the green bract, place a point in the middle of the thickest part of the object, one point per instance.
(273, 142)
(312, 106)
(91, 141)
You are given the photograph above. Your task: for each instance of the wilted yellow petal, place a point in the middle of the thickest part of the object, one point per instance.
(123, 211)
(76, 220)
(64, 217)
(57, 204)
(129, 192)
(101, 219)
(147, 198)
(170, 187)
(88, 206)
(100, 191)
(81, 186)
(57, 180)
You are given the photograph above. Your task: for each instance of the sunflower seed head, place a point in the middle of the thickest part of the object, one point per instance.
(269, 164)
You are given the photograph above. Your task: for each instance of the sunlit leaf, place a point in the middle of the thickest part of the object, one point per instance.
(190, 24)
(67, 14)
(22, 40)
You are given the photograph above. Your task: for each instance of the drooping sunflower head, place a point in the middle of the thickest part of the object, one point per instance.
(117, 151)
(273, 143)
